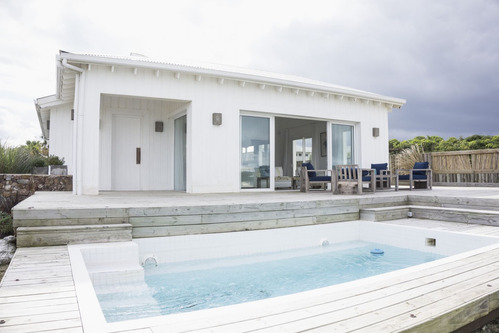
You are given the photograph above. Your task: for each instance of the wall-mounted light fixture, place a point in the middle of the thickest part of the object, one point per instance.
(375, 131)
(159, 126)
(48, 124)
(72, 114)
(217, 119)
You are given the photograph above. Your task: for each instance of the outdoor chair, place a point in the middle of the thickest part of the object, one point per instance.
(382, 175)
(281, 181)
(309, 176)
(350, 177)
(418, 177)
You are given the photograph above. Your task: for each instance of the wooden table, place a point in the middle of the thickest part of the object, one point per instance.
(384, 181)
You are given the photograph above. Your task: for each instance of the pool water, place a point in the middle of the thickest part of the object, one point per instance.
(189, 286)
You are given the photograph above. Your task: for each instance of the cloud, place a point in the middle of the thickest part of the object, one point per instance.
(442, 56)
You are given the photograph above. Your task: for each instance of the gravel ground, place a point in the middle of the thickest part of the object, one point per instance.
(491, 327)
(3, 268)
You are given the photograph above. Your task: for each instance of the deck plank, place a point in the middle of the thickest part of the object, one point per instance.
(52, 326)
(29, 319)
(27, 299)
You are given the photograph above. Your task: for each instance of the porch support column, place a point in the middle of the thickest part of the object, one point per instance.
(87, 138)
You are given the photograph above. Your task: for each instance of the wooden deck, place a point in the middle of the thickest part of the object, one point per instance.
(58, 218)
(37, 294)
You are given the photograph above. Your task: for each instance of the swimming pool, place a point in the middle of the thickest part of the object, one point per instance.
(119, 263)
(204, 284)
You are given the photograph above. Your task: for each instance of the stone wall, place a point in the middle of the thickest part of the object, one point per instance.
(15, 188)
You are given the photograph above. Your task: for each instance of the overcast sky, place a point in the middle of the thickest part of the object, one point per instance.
(439, 55)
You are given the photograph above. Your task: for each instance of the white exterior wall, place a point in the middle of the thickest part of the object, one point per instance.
(61, 135)
(213, 152)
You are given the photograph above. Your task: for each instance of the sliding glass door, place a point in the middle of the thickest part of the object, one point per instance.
(255, 152)
(342, 144)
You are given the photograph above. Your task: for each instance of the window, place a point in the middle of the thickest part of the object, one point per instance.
(342, 144)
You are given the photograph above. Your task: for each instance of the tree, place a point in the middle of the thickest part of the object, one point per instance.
(436, 143)
(37, 148)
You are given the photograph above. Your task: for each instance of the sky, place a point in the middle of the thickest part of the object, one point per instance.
(439, 55)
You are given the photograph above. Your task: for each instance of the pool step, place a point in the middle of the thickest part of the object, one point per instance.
(112, 265)
(472, 216)
(73, 234)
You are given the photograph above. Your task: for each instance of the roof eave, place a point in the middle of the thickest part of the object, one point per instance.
(45, 133)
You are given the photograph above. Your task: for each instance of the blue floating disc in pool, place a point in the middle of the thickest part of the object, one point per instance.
(377, 251)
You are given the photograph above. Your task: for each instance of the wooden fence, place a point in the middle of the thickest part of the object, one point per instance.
(462, 168)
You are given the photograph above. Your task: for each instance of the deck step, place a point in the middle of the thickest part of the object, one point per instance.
(68, 221)
(73, 234)
(384, 213)
(471, 216)
(490, 204)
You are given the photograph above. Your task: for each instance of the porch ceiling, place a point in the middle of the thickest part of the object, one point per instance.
(168, 105)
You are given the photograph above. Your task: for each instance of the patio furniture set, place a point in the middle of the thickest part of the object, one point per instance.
(347, 179)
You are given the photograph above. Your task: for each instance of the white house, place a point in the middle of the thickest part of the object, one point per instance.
(134, 123)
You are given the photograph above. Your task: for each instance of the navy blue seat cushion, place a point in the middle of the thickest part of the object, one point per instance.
(417, 174)
(379, 167)
(420, 165)
(264, 170)
(365, 175)
(320, 178)
(309, 167)
(407, 177)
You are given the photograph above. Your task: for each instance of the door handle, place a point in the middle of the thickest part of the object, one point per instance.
(137, 155)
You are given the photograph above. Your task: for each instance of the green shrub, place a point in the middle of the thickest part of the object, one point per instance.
(14, 159)
(55, 160)
(6, 226)
(22, 159)
(38, 162)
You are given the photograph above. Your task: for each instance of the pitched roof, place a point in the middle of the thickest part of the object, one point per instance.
(229, 72)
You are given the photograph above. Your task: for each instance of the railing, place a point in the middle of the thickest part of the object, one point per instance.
(463, 168)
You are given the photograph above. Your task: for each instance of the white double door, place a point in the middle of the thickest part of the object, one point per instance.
(139, 156)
